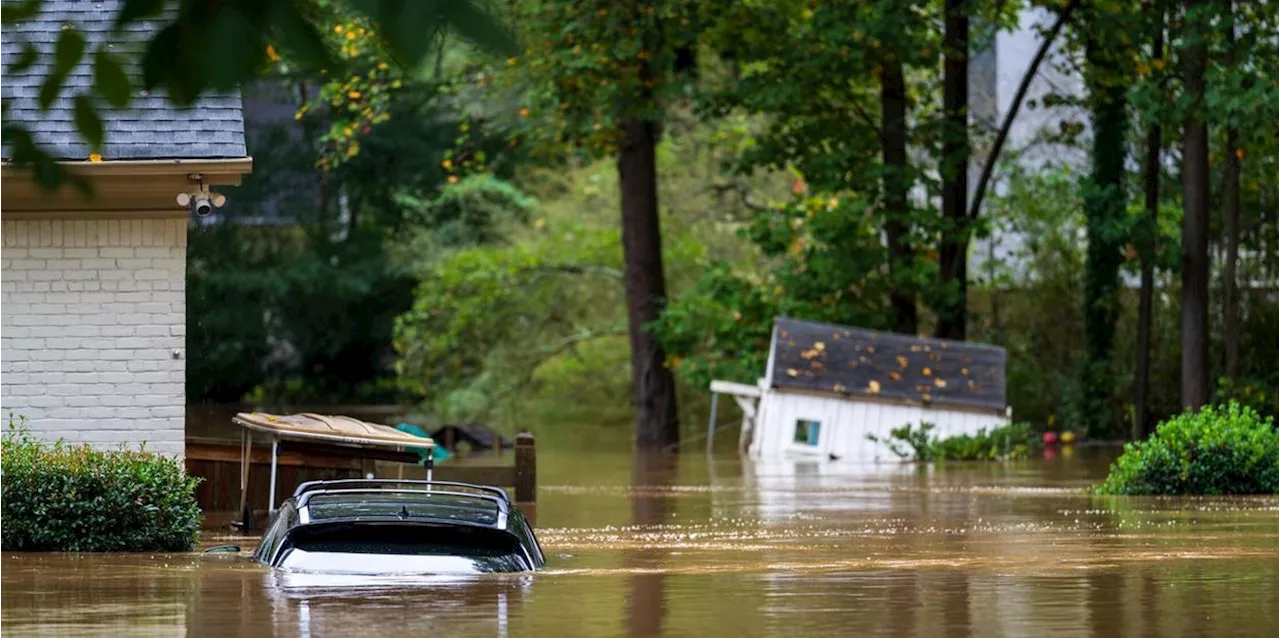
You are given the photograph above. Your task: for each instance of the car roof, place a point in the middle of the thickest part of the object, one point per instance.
(403, 500)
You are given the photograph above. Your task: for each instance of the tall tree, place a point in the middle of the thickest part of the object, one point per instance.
(953, 251)
(1104, 206)
(653, 387)
(896, 187)
(1195, 215)
(1146, 236)
(601, 72)
(1231, 201)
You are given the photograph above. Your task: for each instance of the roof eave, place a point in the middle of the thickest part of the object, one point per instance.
(211, 171)
(218, 171)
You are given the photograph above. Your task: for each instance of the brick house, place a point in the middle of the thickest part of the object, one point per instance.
(92, 341)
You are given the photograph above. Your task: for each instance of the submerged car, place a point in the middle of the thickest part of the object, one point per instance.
(397, 527)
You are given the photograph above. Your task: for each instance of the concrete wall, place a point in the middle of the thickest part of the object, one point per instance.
(93, 313)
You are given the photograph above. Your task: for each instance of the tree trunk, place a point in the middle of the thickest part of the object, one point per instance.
(953, 252)
(893, 122)
(1104, 206)
(1146, 252)
(1231, 198)
(1195, 220)
(653, 389)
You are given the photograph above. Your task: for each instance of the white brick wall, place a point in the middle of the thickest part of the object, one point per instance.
(93, 311)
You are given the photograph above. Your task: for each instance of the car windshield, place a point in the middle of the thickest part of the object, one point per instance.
(410, 505)
(374, 548)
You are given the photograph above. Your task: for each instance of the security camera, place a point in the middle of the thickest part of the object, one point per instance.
(202, 202)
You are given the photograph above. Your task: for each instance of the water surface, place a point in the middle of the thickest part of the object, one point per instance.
(660, 547)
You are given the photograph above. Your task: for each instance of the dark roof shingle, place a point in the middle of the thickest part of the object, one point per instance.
(849, 361)
(150, 128)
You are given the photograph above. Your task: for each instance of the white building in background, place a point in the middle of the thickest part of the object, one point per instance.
(828, 386)
(995, 74)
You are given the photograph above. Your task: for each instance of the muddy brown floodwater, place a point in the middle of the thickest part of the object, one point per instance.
(648, 547)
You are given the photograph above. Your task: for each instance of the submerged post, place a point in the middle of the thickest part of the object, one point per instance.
(526, 469)
(430, 464)
(275, 455)
(711, 424)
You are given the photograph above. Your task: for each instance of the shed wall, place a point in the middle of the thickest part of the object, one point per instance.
(94, 311)
(845, 424)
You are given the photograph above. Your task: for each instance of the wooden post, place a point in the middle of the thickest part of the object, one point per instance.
(526, 486)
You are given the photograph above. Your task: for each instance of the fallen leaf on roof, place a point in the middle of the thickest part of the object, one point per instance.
(809, 354)
(926, 372)
(873, 387)
(964, 371)
(926, 398)
(941, 383)
(819, 346)
(902, 362)
(791, 372)
(895, 375)
(871, 349)
(838, 388)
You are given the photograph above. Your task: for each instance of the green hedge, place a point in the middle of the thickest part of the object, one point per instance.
(999, 444)
(1218, 450)
(58, 497)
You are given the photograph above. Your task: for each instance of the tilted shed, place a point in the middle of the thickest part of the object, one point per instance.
(828, 386)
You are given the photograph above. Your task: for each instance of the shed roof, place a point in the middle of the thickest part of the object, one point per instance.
(849, 361)
(150, 129)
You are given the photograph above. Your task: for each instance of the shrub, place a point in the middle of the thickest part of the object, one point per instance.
(1218, 450)
(58, 497)
(999, 444)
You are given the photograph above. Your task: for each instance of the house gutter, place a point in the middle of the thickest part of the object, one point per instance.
(215, 171)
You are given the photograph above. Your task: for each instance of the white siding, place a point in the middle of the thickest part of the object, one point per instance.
(93, 312)
(846, 423)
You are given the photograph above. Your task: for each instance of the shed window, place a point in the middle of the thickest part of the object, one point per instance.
(807, 432)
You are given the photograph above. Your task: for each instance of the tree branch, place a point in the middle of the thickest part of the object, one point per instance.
(990, 164)
(573, 269)
(741, 189)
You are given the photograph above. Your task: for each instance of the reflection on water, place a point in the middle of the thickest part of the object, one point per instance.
(654, 545)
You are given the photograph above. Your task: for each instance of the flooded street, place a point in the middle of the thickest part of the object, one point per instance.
(649, 547)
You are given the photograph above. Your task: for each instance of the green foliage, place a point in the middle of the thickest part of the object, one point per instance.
(999, 444)
(64, 498)
(179, 60)
(1253, 394)
(538, 308)
(1225, 449)
(591, 66)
